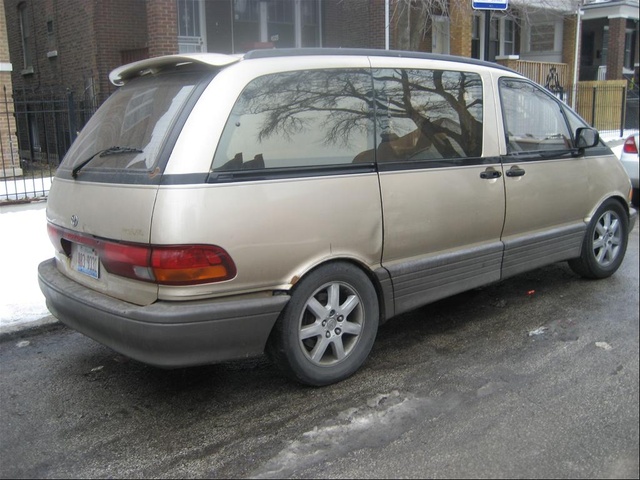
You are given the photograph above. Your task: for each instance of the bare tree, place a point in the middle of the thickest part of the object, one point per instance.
(412, 18)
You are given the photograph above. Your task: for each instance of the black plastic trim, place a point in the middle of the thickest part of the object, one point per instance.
(120, 176)
(425, 280)
(441, 163)
(292, 172)
(184, 179)
(542, 155)
(368, 52)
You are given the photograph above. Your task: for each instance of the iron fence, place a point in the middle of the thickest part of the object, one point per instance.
(610, 107)
(38, 127)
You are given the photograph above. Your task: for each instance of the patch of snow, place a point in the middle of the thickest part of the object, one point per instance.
(381, 420)
(603, 345)
(25, 243)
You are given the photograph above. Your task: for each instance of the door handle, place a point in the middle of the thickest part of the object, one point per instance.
(515, 172)
(490, 173)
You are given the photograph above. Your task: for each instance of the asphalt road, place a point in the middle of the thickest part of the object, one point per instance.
(536, 376)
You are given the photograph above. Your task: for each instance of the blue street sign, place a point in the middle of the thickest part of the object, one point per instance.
(490, 4)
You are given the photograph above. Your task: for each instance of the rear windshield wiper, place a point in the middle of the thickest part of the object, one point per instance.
(103, 153)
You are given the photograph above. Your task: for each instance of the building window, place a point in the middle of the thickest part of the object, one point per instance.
(246, 10)
(276, 23)
(629, 52)
(280, 11)
(191, 29)
(494, 39)
(280, 24)
(25, 32)
(502, 37)
(542, 37)
(310, 14)
(605, 46)
(475, 37)
(440, 35)
(508, 37)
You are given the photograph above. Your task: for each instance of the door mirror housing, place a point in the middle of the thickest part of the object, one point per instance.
(587, 137)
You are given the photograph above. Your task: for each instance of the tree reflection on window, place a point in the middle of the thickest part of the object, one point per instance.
(325, 117)
(304, 118)
(428, 114)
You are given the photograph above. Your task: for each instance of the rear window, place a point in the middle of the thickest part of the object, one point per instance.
(128, 132)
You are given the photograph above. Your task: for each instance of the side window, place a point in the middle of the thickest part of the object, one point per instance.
(427, 114)
(299, 119)
(575, 121)
(533, 119)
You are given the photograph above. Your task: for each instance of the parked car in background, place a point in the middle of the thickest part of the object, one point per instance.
(629, 159)
(289, 201)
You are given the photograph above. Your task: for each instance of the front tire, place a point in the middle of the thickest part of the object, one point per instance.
(605, 242)
(327, 329)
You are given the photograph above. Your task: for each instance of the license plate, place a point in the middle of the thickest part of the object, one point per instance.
(87, 261)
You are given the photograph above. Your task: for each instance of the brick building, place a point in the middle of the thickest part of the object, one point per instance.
(74, 44)
(9, 165)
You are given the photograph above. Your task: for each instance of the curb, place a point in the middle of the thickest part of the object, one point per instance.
(28, 328)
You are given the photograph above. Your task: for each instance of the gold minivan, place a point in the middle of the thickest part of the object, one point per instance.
(218, 207)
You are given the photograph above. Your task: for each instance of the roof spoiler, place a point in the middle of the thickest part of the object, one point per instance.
(150, 66)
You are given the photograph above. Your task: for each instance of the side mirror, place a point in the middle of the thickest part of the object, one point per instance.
(587, 137)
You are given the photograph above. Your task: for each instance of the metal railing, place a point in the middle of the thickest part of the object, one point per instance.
(36, 131)
(609, 106)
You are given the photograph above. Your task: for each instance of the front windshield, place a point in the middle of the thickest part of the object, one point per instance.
(137, 117)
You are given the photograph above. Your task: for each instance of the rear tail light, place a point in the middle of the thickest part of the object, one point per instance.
(125, 259)
(162, 264)
(630, 145)
(191, 264)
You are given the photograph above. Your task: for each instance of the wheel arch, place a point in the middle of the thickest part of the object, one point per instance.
(379, 278)
(616, 197)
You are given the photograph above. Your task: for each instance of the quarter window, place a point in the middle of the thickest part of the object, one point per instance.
(428, 114)
(298, 119)
(532, 118)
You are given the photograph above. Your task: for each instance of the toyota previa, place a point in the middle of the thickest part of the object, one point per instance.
(288, 202)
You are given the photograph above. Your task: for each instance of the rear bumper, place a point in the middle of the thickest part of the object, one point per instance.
(164, 334)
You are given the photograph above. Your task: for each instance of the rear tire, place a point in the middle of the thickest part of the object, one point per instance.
(328, 328)
(605, 242)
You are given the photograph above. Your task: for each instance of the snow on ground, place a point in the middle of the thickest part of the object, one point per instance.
(382, 420)
(24, 244)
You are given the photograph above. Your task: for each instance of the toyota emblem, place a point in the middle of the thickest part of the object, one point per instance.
(74, 220)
